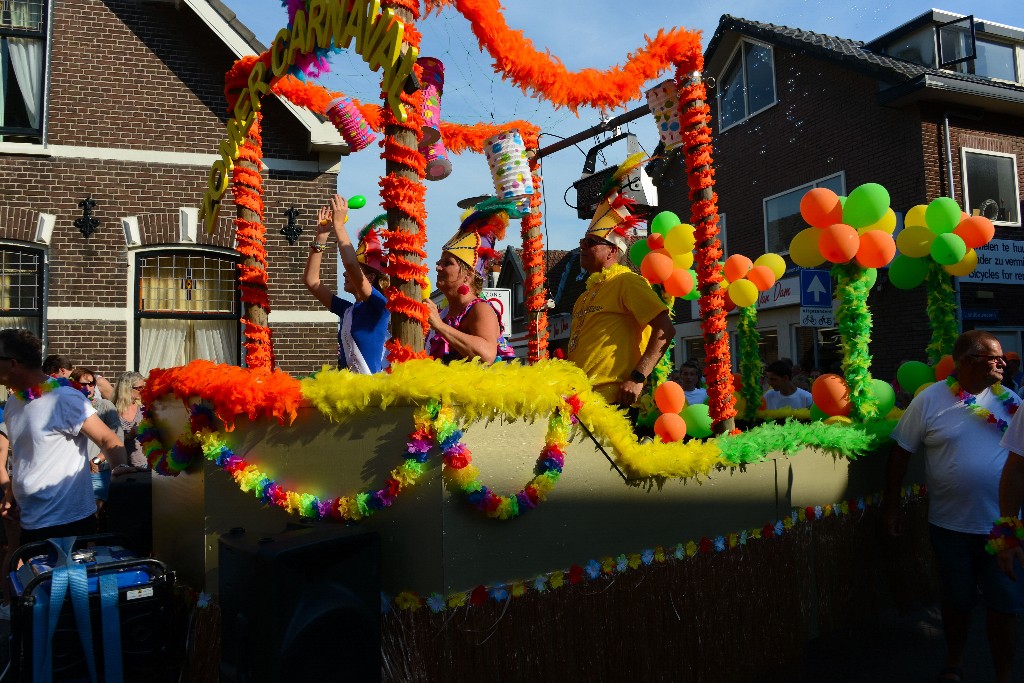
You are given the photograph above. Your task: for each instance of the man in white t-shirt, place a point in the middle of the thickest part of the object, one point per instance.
(689, 376)
(49, 424)
(949, 424)
(783, 393)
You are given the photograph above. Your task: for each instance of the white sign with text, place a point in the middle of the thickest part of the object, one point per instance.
(1000, 262)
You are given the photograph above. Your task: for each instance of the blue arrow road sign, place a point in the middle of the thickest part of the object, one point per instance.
(815, 288)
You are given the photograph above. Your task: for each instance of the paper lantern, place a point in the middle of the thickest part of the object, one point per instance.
(433, 87)
(663, 101)
(510, 170)
(342, 112)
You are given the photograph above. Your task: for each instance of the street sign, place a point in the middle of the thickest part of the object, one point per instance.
(501, 301)
(811, 316)
(815, 288)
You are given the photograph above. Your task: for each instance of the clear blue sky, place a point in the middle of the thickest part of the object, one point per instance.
(597, 34)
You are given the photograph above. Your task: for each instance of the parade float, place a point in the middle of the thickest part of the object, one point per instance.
(522, 524)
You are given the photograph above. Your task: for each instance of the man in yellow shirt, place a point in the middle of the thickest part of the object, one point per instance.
(620, 327)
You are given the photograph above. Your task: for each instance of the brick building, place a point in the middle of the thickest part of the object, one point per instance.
(922, 110)
(122, 101)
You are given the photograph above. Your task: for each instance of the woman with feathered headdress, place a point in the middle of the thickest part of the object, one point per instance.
(467, 329)
(364, 324)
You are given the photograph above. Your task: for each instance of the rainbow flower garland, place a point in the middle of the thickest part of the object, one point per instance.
(185, 450)
(1007, 532)
(51, 383)
(1003, 395)
(607, 568)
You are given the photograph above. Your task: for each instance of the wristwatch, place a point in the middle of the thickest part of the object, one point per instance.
(638, 376)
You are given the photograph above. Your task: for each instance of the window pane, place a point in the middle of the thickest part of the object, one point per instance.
(955, 42)
(24, 15)
(918, 47)
(835, 183)
(695, 350)
(730, 99)
(19, 281)
(782, 215)
(760, 79)
(995, 60)
(21, 74)
(186, 284)
(991, 187)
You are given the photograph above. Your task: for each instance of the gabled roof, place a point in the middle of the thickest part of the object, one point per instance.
(904, 78)
(225, 25)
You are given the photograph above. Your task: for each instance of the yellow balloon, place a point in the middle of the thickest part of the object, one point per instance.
(743, 293)
(915, 241)
(966, 266)
(886, 223)
(680, 239)
(804, 248)
(916, 216)
(773, 261)
(838, 420)
(923, 387)
(683, 260)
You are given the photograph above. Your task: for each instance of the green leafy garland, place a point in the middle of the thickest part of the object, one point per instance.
(941, 312)
(849, 441)
(853, 319)
(751, 368)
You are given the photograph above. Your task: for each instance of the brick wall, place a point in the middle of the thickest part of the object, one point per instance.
(304, 349)
(97, 344)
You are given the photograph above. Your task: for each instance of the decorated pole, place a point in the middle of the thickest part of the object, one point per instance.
(695, 116)
(533, 262)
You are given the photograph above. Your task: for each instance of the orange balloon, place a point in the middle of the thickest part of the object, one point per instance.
(736, 267)
(877, 249)
(975, 231)
(737, 382)
(679, 283)
(656, 240)
(657, 266)
(820, 207)
(669, 397)
(670, 427)
(831, 395)
(763, 277)
(838, 243)
(943, 368)
(729, 305)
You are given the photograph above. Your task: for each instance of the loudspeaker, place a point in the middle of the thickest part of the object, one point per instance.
(301, 605)
(129, 509)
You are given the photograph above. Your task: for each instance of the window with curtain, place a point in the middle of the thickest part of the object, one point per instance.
(22, 69)
(21, 289)
(991, 188)
(187, 309)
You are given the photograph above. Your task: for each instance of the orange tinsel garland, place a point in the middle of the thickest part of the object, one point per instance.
(700, 173)
(516, 59)
(533, 264)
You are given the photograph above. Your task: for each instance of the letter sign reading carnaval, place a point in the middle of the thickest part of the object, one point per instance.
(378, 38)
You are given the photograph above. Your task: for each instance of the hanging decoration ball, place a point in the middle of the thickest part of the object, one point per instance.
(831, 394)
(656, 266)
(736, 267)
(912, 374)
(923, 387)
(916, 217)
(915, 241)
(975, 231)
(670, 427)
(743, 293)
(638, 251)
(942, 215)
(698, 421)
(966, 266)
(884, 396)
(656, 240)
(679, 283)
(762, 277)
(948, 249)
(669, 397)
(838, 243)
(821, 208)
(877, 249)
(664, 221)
(907, 273)
(773, 261)
(944, 367)
(803, 248)
(683, 260)
(681, 239)
(867, 204)
(887, 223)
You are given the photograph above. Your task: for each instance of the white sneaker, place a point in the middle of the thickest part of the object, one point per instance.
(5, 612)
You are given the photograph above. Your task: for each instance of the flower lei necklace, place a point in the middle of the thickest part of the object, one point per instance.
(1003, 395)
(51, 383)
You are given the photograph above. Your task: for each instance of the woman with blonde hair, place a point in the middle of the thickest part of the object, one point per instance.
(128, 401)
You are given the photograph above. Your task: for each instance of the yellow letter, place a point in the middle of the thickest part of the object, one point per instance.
(317, 33)
(298, 44)
(208, 211)
(278, 58)
(398, 78)
(356, 22)
(257, 86)
(243, 105)
(370, 20)
(337, 19)
(386, 48)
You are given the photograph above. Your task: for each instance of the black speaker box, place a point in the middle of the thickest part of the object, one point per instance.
(129, 509)
(301, 605)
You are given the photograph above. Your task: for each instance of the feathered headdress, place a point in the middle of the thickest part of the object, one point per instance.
(370, 251)
(474, 243)
(613, 221)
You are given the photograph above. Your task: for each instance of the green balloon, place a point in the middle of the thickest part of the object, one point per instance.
(357, 202)
(638, 251)
(942, 215)
(817, 414)
(698, 421)
(871, 275)
(912, 374)
(884, 395)
(865, 205)
(664, 221)
(948, 249)
(842, 200)
(694, 293)
(907, 273)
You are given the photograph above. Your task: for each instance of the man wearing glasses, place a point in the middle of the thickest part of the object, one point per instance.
(620, 327)
(49, 424)
(958, 424)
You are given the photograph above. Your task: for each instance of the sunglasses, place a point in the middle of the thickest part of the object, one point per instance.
(88, 384)
(139, 388)
(595, 241)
